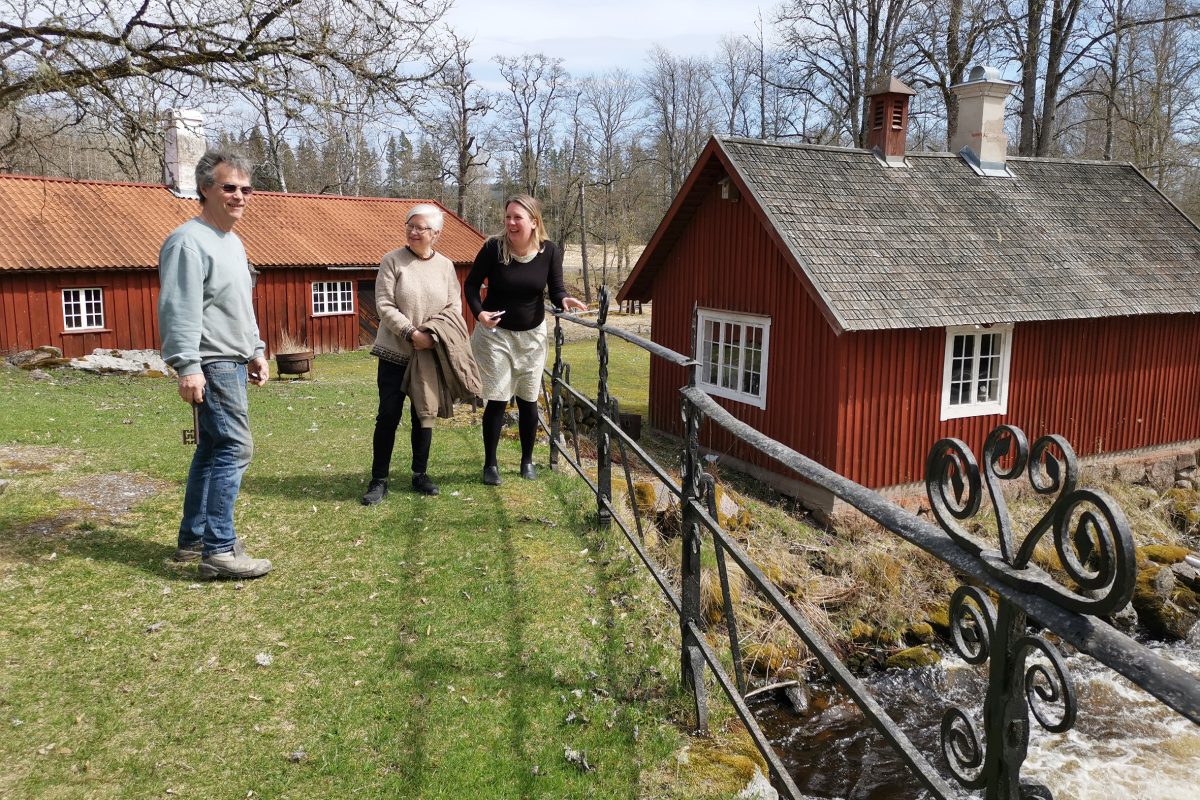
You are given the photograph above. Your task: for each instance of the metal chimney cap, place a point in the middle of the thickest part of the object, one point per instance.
(982, 72)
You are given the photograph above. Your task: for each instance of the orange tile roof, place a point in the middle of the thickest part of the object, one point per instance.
(55, 223)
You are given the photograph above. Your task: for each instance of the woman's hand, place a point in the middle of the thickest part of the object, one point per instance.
(571, 304)
(489, 319)
(422, 340)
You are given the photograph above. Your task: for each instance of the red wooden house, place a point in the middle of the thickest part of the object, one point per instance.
(860, 304)
(79, 261)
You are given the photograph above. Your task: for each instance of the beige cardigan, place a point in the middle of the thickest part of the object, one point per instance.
(409, 291)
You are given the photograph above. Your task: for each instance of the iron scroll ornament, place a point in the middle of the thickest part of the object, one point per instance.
(1091, 534)
(1046, 684)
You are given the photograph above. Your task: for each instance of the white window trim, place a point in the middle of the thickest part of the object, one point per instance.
(337, 294)
(82, 290)
(715, 315)
(976, 409)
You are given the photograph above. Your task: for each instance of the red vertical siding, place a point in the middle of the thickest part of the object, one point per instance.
(1105, 385)
(725, 261)
(31, 311)
(868, 404)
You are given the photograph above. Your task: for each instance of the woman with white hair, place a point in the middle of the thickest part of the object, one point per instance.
(415, 283)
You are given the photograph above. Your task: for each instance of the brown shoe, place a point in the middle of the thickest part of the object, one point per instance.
(233, 564)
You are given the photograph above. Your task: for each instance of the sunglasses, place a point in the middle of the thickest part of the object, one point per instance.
(233, 188)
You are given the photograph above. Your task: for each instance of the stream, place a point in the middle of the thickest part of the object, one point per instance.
(1125, 744)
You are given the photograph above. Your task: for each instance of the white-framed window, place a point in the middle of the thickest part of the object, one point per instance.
(333, 297)
(83, 309)
(975, 374)
(732, 350)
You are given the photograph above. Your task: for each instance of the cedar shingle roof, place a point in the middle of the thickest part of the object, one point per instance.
(934, 244)
(59, 224)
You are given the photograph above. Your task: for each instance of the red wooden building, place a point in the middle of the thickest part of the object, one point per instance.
(79, 261)
(860, 304)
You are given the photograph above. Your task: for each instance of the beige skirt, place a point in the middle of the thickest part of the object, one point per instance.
(510, 362)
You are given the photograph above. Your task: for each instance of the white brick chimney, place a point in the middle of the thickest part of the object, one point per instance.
(980, 137)
(185, 145)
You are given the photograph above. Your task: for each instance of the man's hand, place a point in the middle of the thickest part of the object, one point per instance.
(258, 371)
(422, 340)
(191, 388)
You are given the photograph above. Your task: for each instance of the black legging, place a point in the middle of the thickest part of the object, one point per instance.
(493, 423)
(391, 408)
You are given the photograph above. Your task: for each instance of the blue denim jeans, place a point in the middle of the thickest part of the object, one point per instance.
(223, 451)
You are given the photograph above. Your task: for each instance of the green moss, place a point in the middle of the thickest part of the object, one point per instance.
(1162, 553)
(921, 632)
(913, 657)
(862, 632)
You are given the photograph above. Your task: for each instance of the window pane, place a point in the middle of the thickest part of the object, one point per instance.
(730, 355)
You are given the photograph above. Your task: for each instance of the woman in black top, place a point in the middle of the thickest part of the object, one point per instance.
(509, 343)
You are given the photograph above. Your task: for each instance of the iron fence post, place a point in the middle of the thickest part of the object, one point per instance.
(603, 440)
(691, 657)
(1005, 714)
(556, 403)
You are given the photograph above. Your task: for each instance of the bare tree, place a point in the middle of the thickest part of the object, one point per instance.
(70, 61)
(841, 48)
(610, 105)
(535, 87)
(681, 110)
(731, 74)
(455, 126)
(951, 35)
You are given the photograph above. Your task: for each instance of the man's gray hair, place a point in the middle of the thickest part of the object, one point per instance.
(206, 168)
(432, 214)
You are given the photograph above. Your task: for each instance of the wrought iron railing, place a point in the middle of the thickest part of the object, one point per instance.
(1090, 535)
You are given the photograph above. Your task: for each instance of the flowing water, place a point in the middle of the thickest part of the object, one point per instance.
(1125, 744)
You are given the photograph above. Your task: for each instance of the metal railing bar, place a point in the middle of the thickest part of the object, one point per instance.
(659, 578)
(665, 353)
(735, 645)
(829, 660)
(579, 471)
(615, 430)
(637, 514)
(1166, 681)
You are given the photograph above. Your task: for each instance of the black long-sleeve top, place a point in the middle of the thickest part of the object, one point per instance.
(515, 288)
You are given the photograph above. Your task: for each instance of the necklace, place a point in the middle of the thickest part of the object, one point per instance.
(418, 255)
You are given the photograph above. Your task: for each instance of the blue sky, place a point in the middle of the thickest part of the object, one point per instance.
(593, 36)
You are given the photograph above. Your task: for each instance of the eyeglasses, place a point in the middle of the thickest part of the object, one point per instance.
(233, 188)
(417, 228)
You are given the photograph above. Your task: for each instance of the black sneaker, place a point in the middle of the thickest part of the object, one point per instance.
(375, 493)
(422, 484)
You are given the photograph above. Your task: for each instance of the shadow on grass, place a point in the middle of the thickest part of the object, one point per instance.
(67, 535)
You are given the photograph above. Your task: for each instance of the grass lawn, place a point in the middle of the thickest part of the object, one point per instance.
(628, 372)
(447, 647)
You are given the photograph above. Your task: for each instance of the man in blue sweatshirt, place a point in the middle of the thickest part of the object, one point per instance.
(210, 337)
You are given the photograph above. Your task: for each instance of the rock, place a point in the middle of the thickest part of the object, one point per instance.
(1157, 612)
(3, 486)
(126, 362)
(759, 788)
(913, 657)
(1161, 474)
(799, 698)
(919, 633)
(38, 375)
(1185, 461)
(939, 620)
(1129, 471)
(1124, 620)
(862, 632)
(1186, 599)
